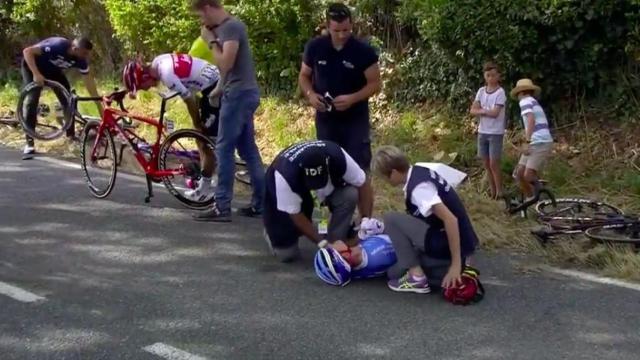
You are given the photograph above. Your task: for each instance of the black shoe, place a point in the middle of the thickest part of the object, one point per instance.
(213, 215)
(250, 212)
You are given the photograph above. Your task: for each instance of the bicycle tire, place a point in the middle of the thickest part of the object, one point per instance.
(564, 205)
(88, 142)
(625, 233)
(9, 121)
(165, 151)
(57, 131)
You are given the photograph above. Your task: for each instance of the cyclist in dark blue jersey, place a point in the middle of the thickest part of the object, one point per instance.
(47, 60)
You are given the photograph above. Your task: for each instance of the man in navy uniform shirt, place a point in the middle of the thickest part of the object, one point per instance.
(346, 69)
(322, 167)
(46, 60)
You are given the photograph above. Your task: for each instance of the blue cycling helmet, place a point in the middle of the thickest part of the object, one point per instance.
(331, 267)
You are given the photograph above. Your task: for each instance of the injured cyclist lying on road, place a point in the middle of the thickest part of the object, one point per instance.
(416, 252)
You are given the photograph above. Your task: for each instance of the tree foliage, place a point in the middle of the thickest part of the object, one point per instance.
(153, 26)
(433, 49)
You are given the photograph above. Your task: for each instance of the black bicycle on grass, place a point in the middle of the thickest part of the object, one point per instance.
(599, 221)
(519, 204)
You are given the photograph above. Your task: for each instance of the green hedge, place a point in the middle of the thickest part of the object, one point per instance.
(573, 48)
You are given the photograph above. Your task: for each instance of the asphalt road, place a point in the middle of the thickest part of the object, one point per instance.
(119, 275)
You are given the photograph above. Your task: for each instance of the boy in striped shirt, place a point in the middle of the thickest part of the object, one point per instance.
(539, 141)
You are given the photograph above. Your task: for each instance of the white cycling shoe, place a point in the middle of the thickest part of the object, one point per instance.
(202, 192)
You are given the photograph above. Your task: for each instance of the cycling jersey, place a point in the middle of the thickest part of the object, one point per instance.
(378, 255)
(183, 74)
(55, 56)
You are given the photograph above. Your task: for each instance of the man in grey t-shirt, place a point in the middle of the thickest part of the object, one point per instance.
(228, 40)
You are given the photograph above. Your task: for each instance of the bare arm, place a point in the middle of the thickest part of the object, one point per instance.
(476, 109)
(304, 80)
(494, 112)
(306, 227)
(374, 85)
(225, 57)
(30, 54)
(531, 123)
(365, 199)
(217, 91)
(453, 236)
(194, 112)
(90, 84)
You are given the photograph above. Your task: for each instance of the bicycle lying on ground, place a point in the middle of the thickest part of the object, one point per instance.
(9, 119)
(173, 159)
(599, 221)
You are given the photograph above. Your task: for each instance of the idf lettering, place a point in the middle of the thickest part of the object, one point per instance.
(314, 172)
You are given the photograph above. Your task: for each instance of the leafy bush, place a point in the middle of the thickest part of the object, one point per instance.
(278, 31)
(153, 26)
(572, 48)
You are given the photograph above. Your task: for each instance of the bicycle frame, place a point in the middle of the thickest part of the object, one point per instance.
(109, 121)
(544, 235)
(539, 190)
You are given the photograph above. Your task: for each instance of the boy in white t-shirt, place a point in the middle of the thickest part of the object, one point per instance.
(536, 127)
(489, 108)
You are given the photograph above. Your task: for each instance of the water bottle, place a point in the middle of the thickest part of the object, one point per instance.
(169, 125)
(323, 225)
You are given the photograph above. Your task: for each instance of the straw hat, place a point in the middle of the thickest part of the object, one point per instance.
(525, 85)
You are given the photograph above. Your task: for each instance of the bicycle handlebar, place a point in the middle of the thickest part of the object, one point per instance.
(168, 95)
(117, 96)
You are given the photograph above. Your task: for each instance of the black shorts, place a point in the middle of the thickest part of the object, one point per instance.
(282, 232)
(352, 134)
(207, 111)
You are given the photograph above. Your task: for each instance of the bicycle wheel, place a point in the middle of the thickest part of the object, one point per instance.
(626, 233)
(100, 166)
(180, 154)
(52, 119)
(575, 210)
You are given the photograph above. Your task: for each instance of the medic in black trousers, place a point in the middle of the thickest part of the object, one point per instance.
(323, 167)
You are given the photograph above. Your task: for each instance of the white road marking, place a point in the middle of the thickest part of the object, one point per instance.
(593, 278)
(170, 353)
(16, 293)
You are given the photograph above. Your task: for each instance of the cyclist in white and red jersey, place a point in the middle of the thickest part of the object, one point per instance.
(185, 75)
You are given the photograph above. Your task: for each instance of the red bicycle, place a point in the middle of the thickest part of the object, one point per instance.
(173, 158)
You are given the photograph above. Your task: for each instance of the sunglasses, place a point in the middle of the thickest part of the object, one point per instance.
(339, 14)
